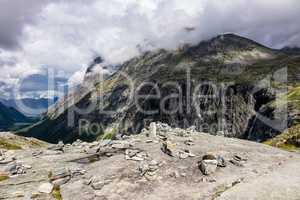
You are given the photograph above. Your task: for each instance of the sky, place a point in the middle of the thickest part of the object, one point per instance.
(61, 37)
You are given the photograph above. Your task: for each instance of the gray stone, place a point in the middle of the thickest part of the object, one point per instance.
(59, 174)
(46, 188)
(152, 130)
(208, 167)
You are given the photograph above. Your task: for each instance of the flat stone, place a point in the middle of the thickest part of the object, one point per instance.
(61, 181)
(46, 188)
(59, 174)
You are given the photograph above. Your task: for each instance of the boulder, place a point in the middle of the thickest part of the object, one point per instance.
(208, 167)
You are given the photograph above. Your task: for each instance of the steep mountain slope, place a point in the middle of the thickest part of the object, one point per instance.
(9, 116)
(218, 85)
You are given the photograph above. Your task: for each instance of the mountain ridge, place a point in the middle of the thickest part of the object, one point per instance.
(215, 60)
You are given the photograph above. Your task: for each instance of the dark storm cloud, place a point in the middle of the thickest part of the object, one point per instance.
(14, 14)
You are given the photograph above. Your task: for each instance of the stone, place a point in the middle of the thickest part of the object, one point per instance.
(77, 172)
(121, 145)
(6, 161)
(57, 147)
(98, 183)
(207, 165)
(153, 166)
(236, 163)
(183, 154)
(104, 143)
(59, 174)
(61, 181)
(221, 161)
(46, 188)
(192, 129)
(135, 154)
(143, 168)
(168, 148)
(152, 130)
(175, 174)
(11, 168)
(189, 142)
(37, 153)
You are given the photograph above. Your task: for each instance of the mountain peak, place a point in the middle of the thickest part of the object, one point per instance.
(231, 47)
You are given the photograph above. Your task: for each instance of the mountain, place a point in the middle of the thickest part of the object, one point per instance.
(291, 50)
(9, 116)
(226, 85)
(40, 106)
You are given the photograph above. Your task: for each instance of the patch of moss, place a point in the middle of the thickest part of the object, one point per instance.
(286, 140)
(8, 145)
(56, 193)
(109, 135)
(3, 178)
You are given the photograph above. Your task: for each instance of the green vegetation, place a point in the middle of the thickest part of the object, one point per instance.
(13, 142)
(289, 140)
(294, 97)
(5, 144)
(3, 178)
(56, 193)
(109, 135)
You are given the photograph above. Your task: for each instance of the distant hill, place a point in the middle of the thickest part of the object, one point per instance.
(291, 50)
(40, 106)
(9, 116)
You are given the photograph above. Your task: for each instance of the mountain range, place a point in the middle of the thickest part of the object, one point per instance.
(241, 81)
(40, 105)
(10, 116)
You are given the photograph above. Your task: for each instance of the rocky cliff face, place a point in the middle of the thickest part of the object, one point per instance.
(223, 86)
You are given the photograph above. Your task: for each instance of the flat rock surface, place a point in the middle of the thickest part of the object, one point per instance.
(264, 172)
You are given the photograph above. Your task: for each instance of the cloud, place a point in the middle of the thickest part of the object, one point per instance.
(14, 14)
(67, 34)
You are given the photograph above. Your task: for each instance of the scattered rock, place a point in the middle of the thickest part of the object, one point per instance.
(149, 169)
(46, 188)
(135, 154)
(175, 174)
(60, 176)
(221, 161)
(37, 153)
(208, 165)
(189, 142)
(169, 148)
(121, 144)
(57, 147)
(98, 183)
(238, 161)
(152, 130)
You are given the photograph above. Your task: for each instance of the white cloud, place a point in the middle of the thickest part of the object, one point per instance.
(67, 34)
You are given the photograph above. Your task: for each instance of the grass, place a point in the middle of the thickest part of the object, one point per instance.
(3, 178)
(286, 140)
(109, 135)
(56, 193)
(4, 144)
